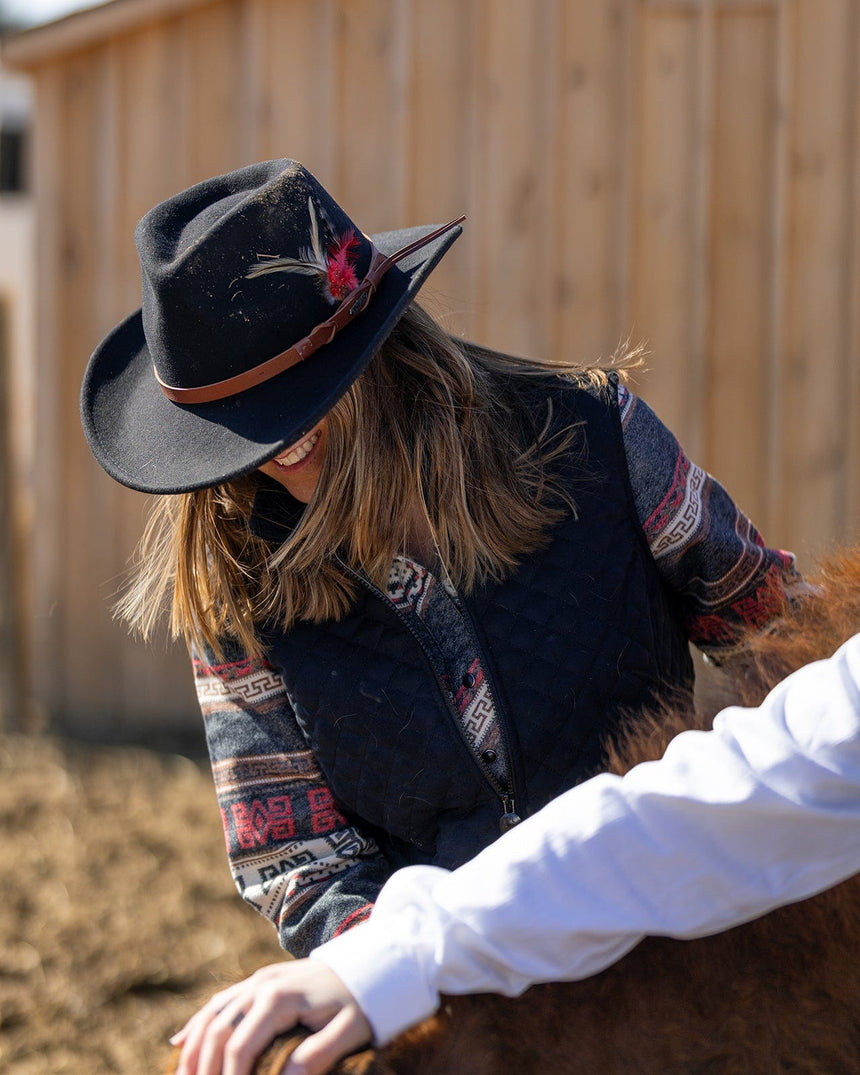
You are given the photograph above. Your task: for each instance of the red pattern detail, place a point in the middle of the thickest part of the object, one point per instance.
(225, 821)
(325, 816)
(767, 601)
(753, 610)
(258, 824)
(230, 670)
(710, 630)
(359, 915)
(673, 499)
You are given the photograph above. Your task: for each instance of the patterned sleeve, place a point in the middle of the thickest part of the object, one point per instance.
(705, 548)
(292, 853)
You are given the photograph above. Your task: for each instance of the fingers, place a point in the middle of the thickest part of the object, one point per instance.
(227, 1034)
(344, 1033)
(219, 1051)
(266, 1018)
(203, 1048)
(192, 1035)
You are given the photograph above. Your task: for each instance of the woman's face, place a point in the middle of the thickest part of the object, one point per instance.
(298, 467)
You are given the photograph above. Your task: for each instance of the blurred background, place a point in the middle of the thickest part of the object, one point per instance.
(685, 173)
(682, 173)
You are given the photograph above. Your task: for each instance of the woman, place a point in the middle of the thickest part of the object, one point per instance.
(422, 581)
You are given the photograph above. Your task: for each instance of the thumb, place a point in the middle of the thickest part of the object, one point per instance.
(344, 1033)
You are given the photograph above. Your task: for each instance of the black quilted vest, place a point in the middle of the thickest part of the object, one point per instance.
(583, 632)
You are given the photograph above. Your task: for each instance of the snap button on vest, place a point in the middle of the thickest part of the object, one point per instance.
(469, 680)
(489, 756)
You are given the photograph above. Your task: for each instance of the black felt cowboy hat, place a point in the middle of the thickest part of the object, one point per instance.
(262, 302)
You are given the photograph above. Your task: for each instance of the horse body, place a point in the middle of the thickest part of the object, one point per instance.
(779, 994)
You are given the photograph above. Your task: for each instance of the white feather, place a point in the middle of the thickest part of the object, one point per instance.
(284, 265)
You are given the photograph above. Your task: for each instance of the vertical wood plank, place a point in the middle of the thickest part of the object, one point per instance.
(816, 345)
(371, 80)
(778, 482)
(439, 147)
(87, 521)
(211, 66)
(588, 200)
(852, 492)
(154, 680)
(664, 211)
(14, 686)
(46, 565)
(296, 107)
(514, 176)
(249, 78)
(701, 251)
(736, 405)
(153, 125)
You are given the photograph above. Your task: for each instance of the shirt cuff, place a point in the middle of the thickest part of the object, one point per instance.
(385, 977)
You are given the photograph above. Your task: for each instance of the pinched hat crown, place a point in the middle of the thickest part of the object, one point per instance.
(233, 280)
(262, 302)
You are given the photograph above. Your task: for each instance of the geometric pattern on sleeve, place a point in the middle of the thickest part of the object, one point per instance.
(289, 846)
(706, 550)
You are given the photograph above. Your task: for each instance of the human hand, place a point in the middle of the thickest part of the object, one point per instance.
(228, 1033)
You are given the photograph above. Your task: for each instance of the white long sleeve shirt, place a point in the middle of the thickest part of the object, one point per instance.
(762, 811)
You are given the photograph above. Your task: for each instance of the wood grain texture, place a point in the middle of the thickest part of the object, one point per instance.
(683, 172)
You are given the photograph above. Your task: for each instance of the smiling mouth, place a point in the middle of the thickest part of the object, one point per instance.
(300, 452)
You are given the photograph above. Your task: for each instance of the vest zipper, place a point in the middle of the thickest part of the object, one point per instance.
(507, 795)
(510, 818)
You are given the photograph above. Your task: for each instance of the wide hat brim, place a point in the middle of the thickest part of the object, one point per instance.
(147, 442)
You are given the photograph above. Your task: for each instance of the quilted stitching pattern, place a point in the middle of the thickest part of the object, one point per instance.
(582, 631)
(373, 714)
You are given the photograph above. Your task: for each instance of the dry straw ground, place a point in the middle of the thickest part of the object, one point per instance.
(117, 912)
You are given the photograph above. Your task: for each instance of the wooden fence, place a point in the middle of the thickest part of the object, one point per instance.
(683, 172)
(12, 637)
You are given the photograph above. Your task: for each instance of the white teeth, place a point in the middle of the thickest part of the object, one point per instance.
(300, 452)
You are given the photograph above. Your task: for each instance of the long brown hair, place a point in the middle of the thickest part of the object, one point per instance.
(434, 432)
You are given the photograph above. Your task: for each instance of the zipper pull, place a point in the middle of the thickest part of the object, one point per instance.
(510, 818)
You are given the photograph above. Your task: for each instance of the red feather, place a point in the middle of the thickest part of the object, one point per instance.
(341, 265)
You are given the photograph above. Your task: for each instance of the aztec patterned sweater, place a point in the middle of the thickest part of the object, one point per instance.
(293, 853)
